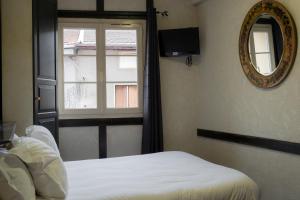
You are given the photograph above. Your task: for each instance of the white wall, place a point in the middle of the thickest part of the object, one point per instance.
(228, 102)
(215, 94)
(76, 4)
(179, 83)
(124, 140)
(272, 113)
(79, 143)
(17, 63)
(125, 5)
(83, 143)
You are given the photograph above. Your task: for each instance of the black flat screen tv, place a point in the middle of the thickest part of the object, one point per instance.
(179, 42)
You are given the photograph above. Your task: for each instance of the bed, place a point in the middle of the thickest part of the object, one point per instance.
(163, 176)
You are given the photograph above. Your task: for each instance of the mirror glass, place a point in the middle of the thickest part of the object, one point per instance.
(265, 44)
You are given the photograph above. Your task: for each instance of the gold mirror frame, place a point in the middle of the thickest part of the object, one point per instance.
(289, 33)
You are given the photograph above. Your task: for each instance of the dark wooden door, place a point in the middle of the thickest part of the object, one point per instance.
(44, 50)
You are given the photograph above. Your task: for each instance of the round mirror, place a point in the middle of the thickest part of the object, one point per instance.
(268, 43)
(265, 44)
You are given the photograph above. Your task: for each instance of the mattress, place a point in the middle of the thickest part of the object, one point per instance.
(163, 176)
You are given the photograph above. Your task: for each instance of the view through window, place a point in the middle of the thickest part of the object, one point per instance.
(100, 68)
(80, 69)
(121, 68)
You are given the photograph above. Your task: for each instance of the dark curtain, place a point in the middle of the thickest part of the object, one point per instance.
(1, 113)
(152, 141)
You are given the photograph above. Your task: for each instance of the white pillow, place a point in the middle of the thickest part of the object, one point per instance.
(15, 180)
(46, 167)
(43, 134)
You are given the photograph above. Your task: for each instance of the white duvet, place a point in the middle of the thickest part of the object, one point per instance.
(161, 176)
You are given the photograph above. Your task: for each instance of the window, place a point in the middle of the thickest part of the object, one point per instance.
(121, 67)
(80, 80)
(100, 69)
(262, 49)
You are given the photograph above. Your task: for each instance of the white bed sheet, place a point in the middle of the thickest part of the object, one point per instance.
(161, 176)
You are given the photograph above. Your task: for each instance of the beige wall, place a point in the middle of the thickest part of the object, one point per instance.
(215, 94)
(17, 62)
(125, 5)
(76, 4)
(238, 105)
(121, 141)
(178, 82)
(227, 101)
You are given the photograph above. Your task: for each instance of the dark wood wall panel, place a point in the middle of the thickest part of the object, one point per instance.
(50, 124)
(100, 122)
(102, 142)
(47, 101)
(100, 5)
(44, 58)
(102, 15)
(46, 38)
(277, 145)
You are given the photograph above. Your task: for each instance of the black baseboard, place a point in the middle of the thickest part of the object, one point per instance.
(277, 145)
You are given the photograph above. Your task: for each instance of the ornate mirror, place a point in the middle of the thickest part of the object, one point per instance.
(268, 44)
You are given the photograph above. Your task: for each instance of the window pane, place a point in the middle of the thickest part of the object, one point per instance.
(127, 62)
(80, 95)
(121, 66)
(263, 63)
(125, 38)
(80, 55)
(117, 72)
(261, 42)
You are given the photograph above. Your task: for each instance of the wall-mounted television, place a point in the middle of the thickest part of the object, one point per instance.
(179, 42)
